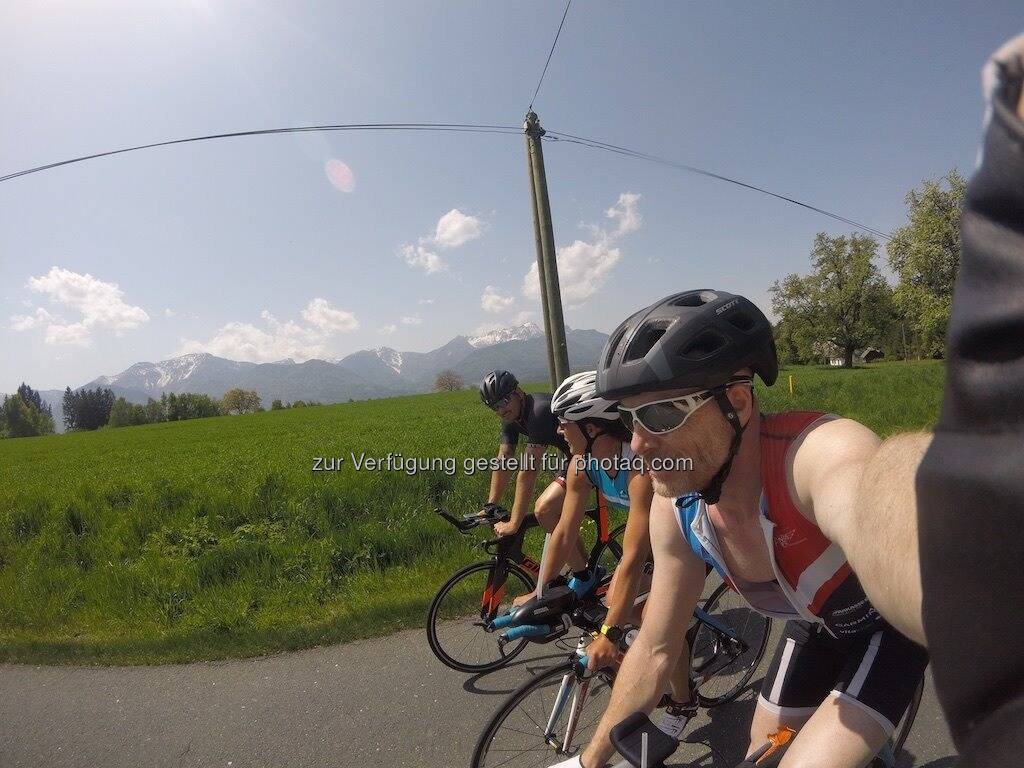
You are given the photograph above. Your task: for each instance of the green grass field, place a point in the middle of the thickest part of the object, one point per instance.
(213, 538)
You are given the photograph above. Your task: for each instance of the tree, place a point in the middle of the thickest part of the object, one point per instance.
(24, 414)
(845, 301)
(925, 254)
(125, 414)
(33, 399)
(16, 418)
(240, 401)
(276, 405)
(448, 381)
(87, 408)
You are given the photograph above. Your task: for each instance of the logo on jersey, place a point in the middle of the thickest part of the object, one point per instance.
(789, 538)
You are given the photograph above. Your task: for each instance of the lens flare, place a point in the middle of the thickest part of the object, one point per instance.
(340, 175)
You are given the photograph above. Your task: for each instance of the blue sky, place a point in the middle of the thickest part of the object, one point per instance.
(258, 249)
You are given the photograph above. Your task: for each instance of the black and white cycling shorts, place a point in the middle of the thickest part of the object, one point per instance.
(877, 671)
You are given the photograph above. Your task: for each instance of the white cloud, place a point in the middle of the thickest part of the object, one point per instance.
(73, 334)
(456, 228)
(320, 313)
(419, 256)
(277, 339)
(388, 329)
(492, 300)
(453, 229)
(101, 305)
(425, 301)
(168, 312)
(412, 320)
(584, 267)
(625, 215)
(40, 319)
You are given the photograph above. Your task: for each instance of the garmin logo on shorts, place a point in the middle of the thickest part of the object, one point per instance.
(726, 306)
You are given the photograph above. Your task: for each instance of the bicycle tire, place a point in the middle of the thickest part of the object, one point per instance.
(433, 616)
(757, 641)
(549, 677)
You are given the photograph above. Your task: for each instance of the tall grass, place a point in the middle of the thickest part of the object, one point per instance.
(214, 538)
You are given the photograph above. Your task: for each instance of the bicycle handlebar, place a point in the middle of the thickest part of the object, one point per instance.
(468, 522)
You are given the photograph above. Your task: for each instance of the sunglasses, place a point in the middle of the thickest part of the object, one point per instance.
(503, 402)
(663, 416)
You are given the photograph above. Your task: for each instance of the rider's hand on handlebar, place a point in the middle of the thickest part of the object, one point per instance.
(506, 528)
(523, 599)
(602, 653)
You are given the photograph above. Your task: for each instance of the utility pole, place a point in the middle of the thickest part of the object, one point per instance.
(547, 268)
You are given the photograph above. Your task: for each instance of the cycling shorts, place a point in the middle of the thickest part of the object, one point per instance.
(876, 670)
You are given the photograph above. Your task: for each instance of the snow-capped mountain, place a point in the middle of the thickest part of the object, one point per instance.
(380, 372)
(500, 335)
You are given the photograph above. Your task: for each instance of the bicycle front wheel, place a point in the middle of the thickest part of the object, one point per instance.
(721, 664)
(549, 718)
(455, 630)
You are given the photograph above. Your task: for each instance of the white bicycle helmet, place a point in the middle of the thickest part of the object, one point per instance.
(576, 399)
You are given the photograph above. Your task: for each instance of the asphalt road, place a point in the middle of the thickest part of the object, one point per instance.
(382, 702)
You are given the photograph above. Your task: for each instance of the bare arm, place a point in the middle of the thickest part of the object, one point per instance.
(678, 582)
(500, 477)
(636, 545)
(860, 492)
(526, 482)
(567, 532)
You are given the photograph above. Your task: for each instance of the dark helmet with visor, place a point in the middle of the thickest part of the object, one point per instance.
(496, 386)
(691, 340)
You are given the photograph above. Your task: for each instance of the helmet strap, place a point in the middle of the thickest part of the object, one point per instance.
(713, 491)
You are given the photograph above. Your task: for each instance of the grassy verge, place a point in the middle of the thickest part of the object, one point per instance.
(214, 538)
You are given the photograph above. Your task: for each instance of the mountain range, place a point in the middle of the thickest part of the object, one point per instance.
(369, 373)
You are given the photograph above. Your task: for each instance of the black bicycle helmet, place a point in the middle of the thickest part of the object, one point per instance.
(695, 339)
(496, 385)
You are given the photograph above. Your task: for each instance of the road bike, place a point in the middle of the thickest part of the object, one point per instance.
(553, 715)
(459, 619)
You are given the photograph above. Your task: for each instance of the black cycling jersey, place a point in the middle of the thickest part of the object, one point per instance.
(970, 486)
(536, 422)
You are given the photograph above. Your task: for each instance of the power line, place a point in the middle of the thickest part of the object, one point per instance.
(550, 53)
(604, 146)
(444, 127)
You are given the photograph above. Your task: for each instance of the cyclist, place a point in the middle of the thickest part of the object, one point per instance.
(603, 460)
(761, 498)
(529, 415)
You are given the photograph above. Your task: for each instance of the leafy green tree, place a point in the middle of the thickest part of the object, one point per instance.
(154, 411)
(925, 255)
(16, 418)
(33, 399)
(87, 408)
(125, 414)
(844, 302)
(276, 405)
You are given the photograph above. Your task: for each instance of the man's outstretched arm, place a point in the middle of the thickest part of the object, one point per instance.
(678, 582)
(860, 492)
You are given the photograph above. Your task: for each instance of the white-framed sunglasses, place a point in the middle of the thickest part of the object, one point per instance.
(663, 416)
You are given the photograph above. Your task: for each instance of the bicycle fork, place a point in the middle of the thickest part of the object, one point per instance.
(578, 694)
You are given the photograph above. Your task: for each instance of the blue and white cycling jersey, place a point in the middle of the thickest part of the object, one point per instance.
(615, 490)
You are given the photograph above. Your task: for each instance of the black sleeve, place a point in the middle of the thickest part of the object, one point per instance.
(509, 435)
(970, 486)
